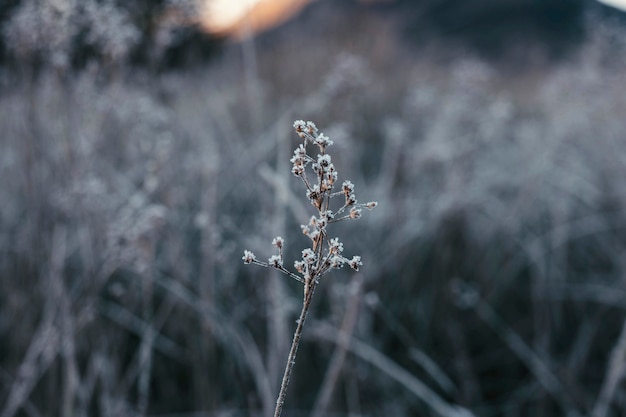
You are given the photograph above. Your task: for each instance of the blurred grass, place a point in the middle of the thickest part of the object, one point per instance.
(495, 261)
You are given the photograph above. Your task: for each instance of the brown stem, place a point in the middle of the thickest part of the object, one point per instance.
(297, 335)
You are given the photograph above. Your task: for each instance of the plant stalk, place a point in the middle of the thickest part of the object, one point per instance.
(297, 335)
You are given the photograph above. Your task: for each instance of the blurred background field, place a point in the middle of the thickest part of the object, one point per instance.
(144, 147)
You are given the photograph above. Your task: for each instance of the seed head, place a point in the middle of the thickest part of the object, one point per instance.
(323, 141)
(355, 213)
(355, 262)
(308, 256)
(300, 127)
(248, 257)
(299, 265)
(336, 247)
(275, 261)
(348, 188)
(311, 128)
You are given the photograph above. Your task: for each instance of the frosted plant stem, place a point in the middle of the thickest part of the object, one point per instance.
(297, 335)
(325, 252)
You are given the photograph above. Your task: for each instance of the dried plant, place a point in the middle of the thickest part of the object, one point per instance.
(325, 252)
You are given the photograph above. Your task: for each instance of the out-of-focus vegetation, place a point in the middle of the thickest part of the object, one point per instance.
(494, 273)
(81, 34)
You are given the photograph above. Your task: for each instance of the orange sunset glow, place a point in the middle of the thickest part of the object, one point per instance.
(244, 17)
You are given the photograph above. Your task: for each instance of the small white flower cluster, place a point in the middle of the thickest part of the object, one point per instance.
(274, 261)
(325, 252)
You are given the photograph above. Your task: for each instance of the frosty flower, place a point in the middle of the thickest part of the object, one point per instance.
(314, 196)
(275, 261)
(311, 128)
(299, 265)
(323, 141)
(337, 262)
(297, 170)
(307, 231)
(336, 247)
(324, 160)
(248, 257)
(308, 255)
(332, 174)
(355, 262)
(319, 223)
(300, 125)
(370, 205)
(299, 155)
(314, 234)
(355, 213)
(348, 188)
(278, 242)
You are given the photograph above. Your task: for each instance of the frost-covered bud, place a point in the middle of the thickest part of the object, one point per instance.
(299, 265)
(370, 205)
(315, 197)
(300, 127)
(278, 242)
(275, 261)
(299, 160)
(324, 160)
(248, 257)
(299, 155)
(332, 174)
(298, 170)
(314, 193)
(320, 223)
(305, 229)
(314, 234)
(350, 200)
(355, 262)
(337, 261)
(323, 141)
(355, 213)
(328, 215)
(300, 152)
(308, 256)
(348, 187)
(325, 186)
(311, 128)
(336, 247)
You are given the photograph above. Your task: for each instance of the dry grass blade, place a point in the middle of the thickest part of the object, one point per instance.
(383, 363)
(336, 362)
(616, 370)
